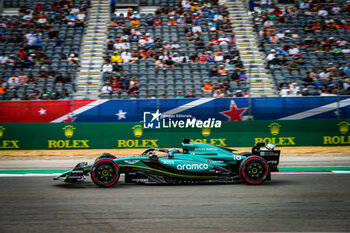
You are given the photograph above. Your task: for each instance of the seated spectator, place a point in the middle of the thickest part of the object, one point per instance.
(242, 76)
(218, 94)
(64, 97)
(3, 86)
(157, 22)
(324, 75)
(293, 65)
(238, 93)
(308, 80)
(179, 95)
(305, 92)
(190, 94)
(206, 87)
(23, 78)
(45, 94)
(202, 58)
(316, 92)
(106, 89)
(116, 58)
(172, 21)
(13, 82)
(134, 23)
(222, 71)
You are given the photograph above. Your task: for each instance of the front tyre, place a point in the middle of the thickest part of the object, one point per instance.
(254, 170)
(105, 172)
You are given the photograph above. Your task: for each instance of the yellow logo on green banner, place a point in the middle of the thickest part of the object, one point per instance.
(343, 127)
(137, 129)
(68, 131)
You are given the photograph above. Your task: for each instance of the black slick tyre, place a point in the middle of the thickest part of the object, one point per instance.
(254, 170)
(105, 172)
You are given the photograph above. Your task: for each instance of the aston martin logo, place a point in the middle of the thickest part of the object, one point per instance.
(68, 131)
(137, 129)
(343, 127)
(206, 132)
(2, 130)
(275, 128)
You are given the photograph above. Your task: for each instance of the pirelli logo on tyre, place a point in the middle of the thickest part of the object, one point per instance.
(342, 139)
(68, 143)
(275, 129)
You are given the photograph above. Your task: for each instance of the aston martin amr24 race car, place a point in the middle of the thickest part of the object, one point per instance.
(196, 163)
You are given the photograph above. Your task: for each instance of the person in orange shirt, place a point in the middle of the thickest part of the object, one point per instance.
(135, 23)
(112, 24)
(2, 88)
(206, 86)
(172, 21)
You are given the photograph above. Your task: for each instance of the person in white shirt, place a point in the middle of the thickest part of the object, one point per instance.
(293, 51)
(186, 4)
(268, 23)
(280, 35)
(125, 45)
(74, 10)
(13, 81)
(176, 58)
(285, 92)
(106, 89)
(142, 42)
(184, 58)
(271, 57)
(218, 17)
(175, 45)
(322, 12)
(294, 89)
(118, 46)
(324, 75)
(345, 51)
(81, 16)
(304, 5)
(107, 67)
(3, 59)
(196, 28)
(336, 9)
(219, 57)
(126, 55)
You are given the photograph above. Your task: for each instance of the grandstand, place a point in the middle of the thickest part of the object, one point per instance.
(40, 46)
(307, 46)
(172, 49)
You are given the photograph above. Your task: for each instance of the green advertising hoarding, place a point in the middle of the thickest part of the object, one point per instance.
(28, 136)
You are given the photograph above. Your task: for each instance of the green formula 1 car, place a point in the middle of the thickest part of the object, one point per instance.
(196, 163)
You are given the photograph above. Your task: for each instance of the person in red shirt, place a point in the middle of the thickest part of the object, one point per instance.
(157, 22)
(39, 7)
(202, 59)
(22, 54)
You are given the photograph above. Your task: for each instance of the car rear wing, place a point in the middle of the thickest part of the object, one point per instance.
(268, 153)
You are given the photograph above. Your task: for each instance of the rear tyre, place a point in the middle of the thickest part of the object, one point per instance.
(105, 172)
(254, 170)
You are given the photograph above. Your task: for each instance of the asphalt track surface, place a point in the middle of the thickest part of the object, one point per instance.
(300, 202)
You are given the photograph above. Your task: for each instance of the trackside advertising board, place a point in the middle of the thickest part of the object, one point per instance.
(28, 136)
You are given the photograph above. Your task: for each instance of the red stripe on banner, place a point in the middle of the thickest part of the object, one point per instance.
(37, 111)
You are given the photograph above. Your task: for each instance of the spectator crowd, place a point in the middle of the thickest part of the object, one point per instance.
(203, 36)
(35, 50)
(307, 46)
